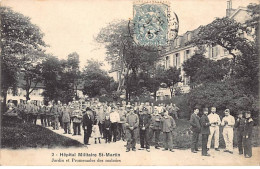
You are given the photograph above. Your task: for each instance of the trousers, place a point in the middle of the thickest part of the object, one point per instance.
(155, 132)
(144, 138)
(228, 138)
(43, 120)
(240, 142)
(87, 134)
(76, 128)
(214, 131)
(66, 126)
(194, 141)
(204, 144)
(131, 136)
(248, 146)
(114, 131)
(107, 135)
(167, 137)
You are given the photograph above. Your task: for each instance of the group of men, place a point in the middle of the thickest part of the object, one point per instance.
(208, 126)
(127, 121)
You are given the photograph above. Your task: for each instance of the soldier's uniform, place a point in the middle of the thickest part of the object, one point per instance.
(66, 119)
(144, 123)
(155, 128)
(76, 119)
(42, 112)
(55, 114)
(49, 115)
(248, 137)
(132, 122)
(60, 107)
(240, 125)
(35, 109)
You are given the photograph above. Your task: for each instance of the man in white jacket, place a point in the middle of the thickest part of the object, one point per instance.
(214, 120)
(228, 122)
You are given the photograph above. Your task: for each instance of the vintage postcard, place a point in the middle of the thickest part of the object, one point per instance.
(129, 83)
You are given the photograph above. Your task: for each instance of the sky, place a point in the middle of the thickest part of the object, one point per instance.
(71, 25)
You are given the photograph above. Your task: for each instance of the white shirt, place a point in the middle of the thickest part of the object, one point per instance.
(214, 118)
(230, 121)
(114, 117)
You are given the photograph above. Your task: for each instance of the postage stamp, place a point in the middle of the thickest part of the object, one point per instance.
(154, 23)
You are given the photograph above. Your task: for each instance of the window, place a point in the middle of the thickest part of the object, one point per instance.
(186, 54)
(167, 62)
(177, 60)
(188, 36)
(214, 51)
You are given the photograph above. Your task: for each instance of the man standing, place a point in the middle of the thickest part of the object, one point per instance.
(65, 117)
(76, 119)
(155, 127)
(168, 124)
(49, 114)
(87, 125)
(195, 128)
(248, 135)
(228, 122)
(144, 123)
(214, 128)
(240, 125)
(205, 131)
(132, 123)
(114, 118)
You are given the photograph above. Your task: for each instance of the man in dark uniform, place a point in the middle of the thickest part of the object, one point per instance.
(204, 121)
(195, 128)
(248, 135)
(87, 125)
(144, 123)
(240, 125)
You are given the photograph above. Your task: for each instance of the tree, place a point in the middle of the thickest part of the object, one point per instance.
(122, 50)
(224, 32)
(95, 79)
(172, 77)
(19, 37)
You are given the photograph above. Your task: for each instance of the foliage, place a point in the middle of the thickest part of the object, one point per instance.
(20, 41)
(95, 79)
(172, 76)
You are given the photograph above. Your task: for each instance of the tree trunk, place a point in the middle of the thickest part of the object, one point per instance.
(171, 90)
(4, 100)
(154, 94)
(27, 95)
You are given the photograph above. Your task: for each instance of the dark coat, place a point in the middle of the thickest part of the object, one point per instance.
(107, 124)
(240, 125)
(87, 122)
(144, 121)
(204, 121)
(248, 127)
(195, 123)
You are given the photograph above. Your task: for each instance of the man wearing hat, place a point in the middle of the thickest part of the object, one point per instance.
(87, 124)
(76, 119)
(144, 123)
(228, 123)
(240, 125)
(205, 131)
(248, 135)
(132, 122)
(167, 125)
(195, 128)
(66, 119)
(155, 127)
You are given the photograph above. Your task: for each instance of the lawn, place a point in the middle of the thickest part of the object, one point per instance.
(22, 135)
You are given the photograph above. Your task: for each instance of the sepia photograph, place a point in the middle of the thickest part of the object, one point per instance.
(129, 83)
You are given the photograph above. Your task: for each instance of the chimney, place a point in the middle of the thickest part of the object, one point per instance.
(229, 8)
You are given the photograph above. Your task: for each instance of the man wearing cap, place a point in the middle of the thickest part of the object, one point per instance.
(144, 123)
(55, 112)
(49, 114)
(228, 123)
(100, 117)
(76, 119)
(121, 123)
(167, 125)
(65, 116)
(205, 131)
(214, 128)
(195, 128)
(240, 125)
(114, 118)
(248, 135)
(132, 122)
(155, 127)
